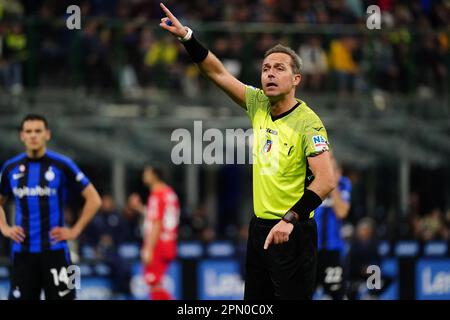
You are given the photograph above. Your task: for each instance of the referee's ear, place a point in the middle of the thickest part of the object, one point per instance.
(297, 79)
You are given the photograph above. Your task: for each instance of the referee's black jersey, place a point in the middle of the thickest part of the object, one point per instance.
(40, 188)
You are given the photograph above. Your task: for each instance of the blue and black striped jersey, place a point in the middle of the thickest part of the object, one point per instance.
(40, 188)
(328, 225)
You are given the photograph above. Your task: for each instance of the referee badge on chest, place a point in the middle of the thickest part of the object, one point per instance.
(49, 175)
(267, 146)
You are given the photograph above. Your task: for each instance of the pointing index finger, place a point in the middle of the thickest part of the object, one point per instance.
(167, 11)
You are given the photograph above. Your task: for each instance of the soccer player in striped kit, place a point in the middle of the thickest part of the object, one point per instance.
(39, 181)
(160, 231)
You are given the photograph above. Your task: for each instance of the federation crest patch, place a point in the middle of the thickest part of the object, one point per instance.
(320, 143)
(267, 146)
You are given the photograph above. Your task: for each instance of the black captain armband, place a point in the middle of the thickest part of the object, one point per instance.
(301, 210)
(195, 49)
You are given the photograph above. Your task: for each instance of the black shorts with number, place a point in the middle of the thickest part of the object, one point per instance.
(33, 272)
(283, 271)
(330, 273)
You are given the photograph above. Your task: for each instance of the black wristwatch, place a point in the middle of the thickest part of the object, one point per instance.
(290, 216)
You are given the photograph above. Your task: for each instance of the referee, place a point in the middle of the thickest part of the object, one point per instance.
(292, 170)
(39, 181)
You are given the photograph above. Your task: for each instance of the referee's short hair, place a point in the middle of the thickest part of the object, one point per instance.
(32, 117)
(296, 61)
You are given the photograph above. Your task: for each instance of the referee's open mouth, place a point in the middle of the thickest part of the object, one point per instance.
(270, 86)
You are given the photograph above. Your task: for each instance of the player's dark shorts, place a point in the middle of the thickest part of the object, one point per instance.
(283, 271)
(330, 274)
(33, 272)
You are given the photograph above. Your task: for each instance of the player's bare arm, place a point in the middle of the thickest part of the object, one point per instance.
(340, 206)
(92, 203)
(211, 65)
(324, 178)
(150, 242)
(15, 233)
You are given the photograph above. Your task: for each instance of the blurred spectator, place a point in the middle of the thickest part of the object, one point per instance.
(130, 42)
(384, 64)
(432, 226)
(447, 225)
(140, 60)
(200, 225)
(228, 50)
(441, 63)
(315, 64)
(363, 253)
(132, 219)
(160, 62)
(10, 8)
(15, 54)
(343, 63)
(52, 47)
(145, 43)
(340, 12)
(96, 57)
(105, 234)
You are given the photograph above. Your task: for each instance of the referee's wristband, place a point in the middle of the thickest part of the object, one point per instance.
(303, 208)
(194, 48)
(188, 35)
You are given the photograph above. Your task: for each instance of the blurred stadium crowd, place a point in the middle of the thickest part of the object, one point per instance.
(118, 48)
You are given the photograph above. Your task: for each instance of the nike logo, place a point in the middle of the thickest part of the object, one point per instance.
(290, 149)
(64, 293)
(318, 129)
(17, 176)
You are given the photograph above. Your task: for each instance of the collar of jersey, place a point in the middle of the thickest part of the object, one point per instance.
(36, 159)
(274, 118)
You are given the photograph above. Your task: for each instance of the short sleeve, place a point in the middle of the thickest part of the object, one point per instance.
(5, 187)
(253, 97)
(315, 137)
(76, 177)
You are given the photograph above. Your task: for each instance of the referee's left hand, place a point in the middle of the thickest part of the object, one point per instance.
(62, 233)
(279, 233)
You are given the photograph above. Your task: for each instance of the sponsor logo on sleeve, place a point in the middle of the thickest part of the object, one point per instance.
(80, 176)
(320, 143)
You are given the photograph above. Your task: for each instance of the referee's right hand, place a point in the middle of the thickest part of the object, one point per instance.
(15, 233)
(279, 233)
(171, 23)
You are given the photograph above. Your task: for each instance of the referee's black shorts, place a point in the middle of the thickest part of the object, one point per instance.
(283, 271)
(33, 272)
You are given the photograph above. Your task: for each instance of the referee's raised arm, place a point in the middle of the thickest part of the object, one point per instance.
(208, 63)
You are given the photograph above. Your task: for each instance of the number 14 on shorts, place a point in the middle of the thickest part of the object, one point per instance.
(70, 276)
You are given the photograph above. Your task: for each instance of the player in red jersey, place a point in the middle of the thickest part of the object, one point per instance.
(160, 231)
